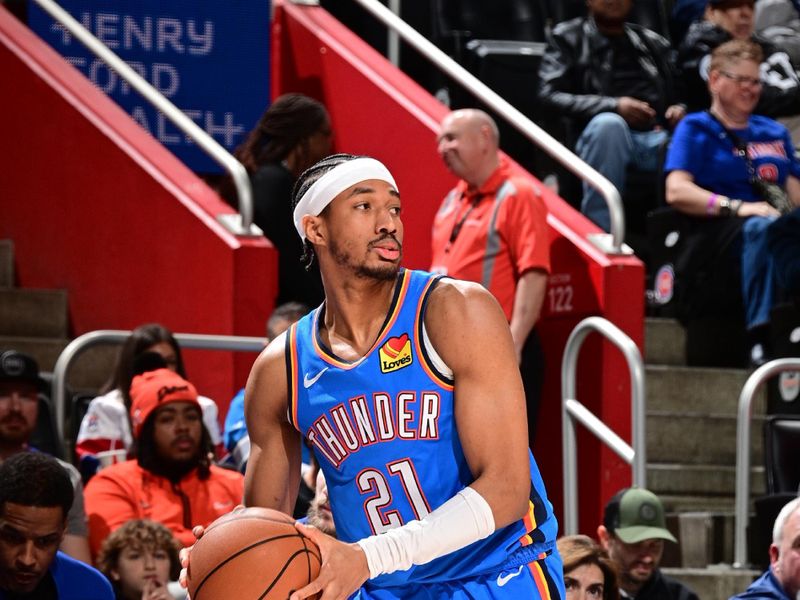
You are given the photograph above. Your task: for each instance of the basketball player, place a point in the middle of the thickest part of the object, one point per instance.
(406, 386)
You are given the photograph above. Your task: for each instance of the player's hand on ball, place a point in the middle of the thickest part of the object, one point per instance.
(344, 567)
(183, 556)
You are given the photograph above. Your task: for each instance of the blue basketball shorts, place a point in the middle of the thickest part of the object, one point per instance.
(542, 579)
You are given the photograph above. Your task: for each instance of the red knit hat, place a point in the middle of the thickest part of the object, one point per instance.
(155, 389)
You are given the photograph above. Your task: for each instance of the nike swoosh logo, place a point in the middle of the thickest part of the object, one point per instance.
(504, 579)
(309, 381)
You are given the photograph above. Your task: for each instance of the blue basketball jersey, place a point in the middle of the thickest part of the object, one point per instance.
(383, 430)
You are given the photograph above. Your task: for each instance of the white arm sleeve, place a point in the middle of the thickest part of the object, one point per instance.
(462, 520)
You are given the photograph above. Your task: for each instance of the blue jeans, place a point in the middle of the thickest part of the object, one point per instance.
(610, 146)
(758, 273)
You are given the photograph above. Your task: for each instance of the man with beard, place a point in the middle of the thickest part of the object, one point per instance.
(618, 83)
(171, 479)
(35, 495)
(319, 512)
(633, 534)
(20, 385)
(492, 229)
(407, 387)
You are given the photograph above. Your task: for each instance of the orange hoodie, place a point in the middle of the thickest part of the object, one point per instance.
(126, 491)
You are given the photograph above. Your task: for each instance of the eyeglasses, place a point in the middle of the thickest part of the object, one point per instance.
(742, 79)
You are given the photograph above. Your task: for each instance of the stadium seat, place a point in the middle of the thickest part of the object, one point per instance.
(781, 451)
(45, 434)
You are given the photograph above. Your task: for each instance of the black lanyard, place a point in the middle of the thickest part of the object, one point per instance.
(740, 145)
(460, 223)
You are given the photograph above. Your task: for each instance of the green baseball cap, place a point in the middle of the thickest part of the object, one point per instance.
(635, 514)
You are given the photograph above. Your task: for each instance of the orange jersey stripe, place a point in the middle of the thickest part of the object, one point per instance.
(539, 579)
(530, 524)
(293, 370)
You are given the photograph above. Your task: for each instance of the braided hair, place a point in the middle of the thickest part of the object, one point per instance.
(304, 182)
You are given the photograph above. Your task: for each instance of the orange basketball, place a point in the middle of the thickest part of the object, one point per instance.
(252, 554)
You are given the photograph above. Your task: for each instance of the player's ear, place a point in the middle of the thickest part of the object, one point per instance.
(314, 229)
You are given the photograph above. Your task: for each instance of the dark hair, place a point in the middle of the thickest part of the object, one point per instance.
(35, 479)
(140, 534)
(289, 311)
(146, 453)
(305, 181)
(140, 341)
(579, 550)
(288, 122)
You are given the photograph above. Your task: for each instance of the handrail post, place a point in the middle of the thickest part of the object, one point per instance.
(241, 225)
(743, 422)
(637, 455)
(528, 128)
(118, 336)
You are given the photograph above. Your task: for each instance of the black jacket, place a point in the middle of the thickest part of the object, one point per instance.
(780, 95)
(575, 73)
(661, 587)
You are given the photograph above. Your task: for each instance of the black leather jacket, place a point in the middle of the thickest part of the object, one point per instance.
(575, 73)
(780, 95)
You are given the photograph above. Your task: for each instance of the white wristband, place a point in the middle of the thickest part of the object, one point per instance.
(462, 520)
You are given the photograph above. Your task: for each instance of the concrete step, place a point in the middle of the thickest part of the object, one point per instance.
(700, 480)
(716, 582)
(684, 503)
(90, 370)
(697, 390)
(664, 342)
(6, 264)
(33, 313)
(698, 439)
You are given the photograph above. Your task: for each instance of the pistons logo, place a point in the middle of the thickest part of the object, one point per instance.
(664, 284)
(395, 354)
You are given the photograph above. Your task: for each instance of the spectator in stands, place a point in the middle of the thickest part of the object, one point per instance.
(726, 20)
(684, 13)
(35, 497)
(492, 229)
(293, 134)
(724, 167)
(237, 442)
(589, 573)
(319, 512)
(106, 425)
(139, 559)
(618, 84)
(782, 580)
(20, 386)
(779, 22)
(633, 534)
(171, 480)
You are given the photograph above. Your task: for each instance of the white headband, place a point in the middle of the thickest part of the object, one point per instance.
(333, 183)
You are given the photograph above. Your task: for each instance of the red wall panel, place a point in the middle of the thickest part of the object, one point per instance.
(99, 208)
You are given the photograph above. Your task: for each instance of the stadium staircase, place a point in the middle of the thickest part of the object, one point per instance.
(36, 321)
(691, 450)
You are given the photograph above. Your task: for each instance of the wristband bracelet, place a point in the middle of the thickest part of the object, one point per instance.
(712, 204)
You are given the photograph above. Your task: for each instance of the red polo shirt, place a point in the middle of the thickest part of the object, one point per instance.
(492, 235)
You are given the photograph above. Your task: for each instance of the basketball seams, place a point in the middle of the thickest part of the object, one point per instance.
(286, 565)
(237, 554)
(267, 538)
